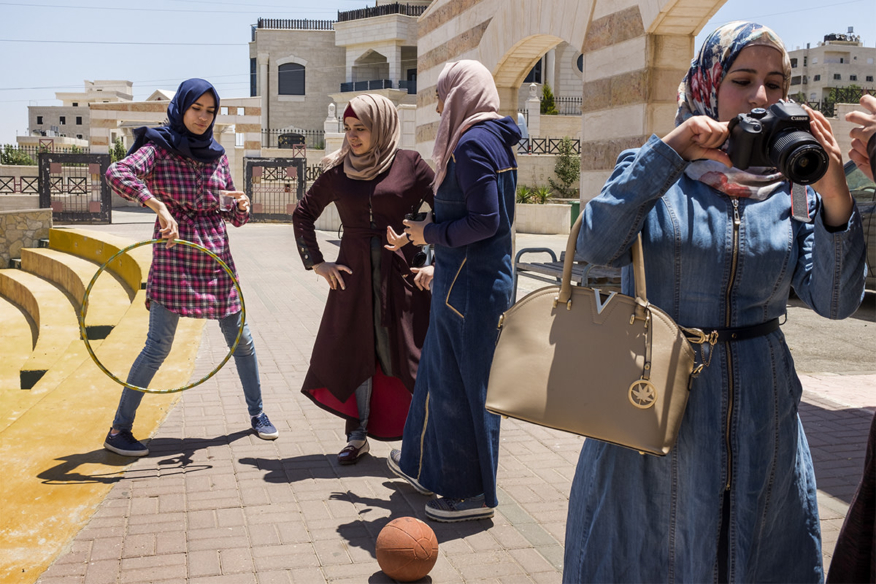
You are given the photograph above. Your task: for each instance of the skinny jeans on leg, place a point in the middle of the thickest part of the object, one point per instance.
(159, 340)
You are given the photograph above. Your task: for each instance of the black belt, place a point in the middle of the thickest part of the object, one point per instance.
(746, 332)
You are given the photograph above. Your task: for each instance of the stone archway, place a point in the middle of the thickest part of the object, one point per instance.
(635, 53)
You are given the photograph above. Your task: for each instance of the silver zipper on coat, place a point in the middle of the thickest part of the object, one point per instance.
(727, 324)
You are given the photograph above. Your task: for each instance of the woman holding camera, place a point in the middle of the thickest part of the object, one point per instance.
(367, 350)
(735, 500)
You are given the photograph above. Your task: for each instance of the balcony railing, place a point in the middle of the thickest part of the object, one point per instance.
(397, 8)
(366, 85)
(295, 24)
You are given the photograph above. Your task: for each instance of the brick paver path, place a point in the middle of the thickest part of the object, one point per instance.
(214, 504)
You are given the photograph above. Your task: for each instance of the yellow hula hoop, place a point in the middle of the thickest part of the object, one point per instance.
(84, 309)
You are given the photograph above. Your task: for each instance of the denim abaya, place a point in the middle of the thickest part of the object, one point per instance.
(737, 494)
(451, 443)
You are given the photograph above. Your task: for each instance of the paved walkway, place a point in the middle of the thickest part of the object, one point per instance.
(214, 504)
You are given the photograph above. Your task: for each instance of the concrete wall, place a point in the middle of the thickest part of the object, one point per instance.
(20, 229)
(548, 218)
(535, 170)
(560, 127)
(52, 117)
(324, 73)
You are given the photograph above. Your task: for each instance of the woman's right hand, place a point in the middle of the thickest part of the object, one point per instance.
(169, 228)
(699, 137)
(332, 274)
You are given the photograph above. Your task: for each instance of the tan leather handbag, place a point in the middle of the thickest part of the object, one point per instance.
(602, 365)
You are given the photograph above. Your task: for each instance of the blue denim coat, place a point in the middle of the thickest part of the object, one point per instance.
(451, 442)
(637, 518)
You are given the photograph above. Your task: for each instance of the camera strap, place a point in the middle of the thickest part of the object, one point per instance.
(800, 203)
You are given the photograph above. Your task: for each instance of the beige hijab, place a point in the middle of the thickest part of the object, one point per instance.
(470, 96)
(379, 115)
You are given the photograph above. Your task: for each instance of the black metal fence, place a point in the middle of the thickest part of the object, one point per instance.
(74, 186)
(568, 105)
(274, 185)
(314, 139)
(29, 155)
(545, 146)
(371, 12)
(827, 106)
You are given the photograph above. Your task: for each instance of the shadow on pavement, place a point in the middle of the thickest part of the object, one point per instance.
(180, 453)
(838, 443)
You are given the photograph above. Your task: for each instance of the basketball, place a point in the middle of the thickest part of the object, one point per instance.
(407, 549)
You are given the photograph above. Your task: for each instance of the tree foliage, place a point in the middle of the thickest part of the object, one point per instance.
(548, 106)
(14, 156)
(117, 152)
(568, 171)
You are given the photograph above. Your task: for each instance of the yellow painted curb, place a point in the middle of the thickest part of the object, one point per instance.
(54, 468)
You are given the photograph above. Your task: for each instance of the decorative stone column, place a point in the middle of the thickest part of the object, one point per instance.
(334, 135)
(533, 112)
(330, 125)
(264, 88)
(550, 69)
(394, 59)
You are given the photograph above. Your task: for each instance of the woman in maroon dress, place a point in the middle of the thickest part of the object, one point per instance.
(368, 347)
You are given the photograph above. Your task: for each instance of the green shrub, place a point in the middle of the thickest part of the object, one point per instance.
(548, 106)
(568, 171)
(14, 156)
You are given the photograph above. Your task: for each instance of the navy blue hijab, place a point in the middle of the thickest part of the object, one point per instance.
(175, 137)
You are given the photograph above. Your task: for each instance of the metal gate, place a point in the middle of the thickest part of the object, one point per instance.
(274, 186)
(74, 186)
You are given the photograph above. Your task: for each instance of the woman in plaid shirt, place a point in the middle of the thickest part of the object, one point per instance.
(180, 172)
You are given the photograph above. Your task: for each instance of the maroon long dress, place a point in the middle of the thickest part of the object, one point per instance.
(344, 353)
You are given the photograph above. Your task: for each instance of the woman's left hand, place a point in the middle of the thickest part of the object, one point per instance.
(415, 229)
(240, 198)
(396, 240)
(832, 186)
(423, 278)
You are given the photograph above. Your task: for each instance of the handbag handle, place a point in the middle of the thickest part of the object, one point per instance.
(638, 267)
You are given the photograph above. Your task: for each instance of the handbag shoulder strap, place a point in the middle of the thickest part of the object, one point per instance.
(638, 266)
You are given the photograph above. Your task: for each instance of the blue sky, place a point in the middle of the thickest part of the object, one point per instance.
(97, 36)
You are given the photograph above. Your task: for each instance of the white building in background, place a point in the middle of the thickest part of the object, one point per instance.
(841, 60)
(72, 118)
(298, 67)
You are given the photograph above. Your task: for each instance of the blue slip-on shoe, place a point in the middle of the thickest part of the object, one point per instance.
(124, 443)
(393, 463)
(449, 510)
(263, 427)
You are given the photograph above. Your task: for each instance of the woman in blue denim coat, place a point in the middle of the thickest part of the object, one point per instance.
(735, 500)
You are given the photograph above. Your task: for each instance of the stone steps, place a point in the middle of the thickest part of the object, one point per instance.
(16, 345)
(132, 267)
(53, 315)
(109, 297)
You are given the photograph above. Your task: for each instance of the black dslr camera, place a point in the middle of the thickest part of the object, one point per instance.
(779, 137)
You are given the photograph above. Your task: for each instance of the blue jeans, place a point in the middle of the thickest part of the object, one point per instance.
(162, 328)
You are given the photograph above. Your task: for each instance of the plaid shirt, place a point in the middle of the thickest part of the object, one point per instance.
(182, 279)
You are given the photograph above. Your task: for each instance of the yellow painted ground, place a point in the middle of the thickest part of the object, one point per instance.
(53, 468)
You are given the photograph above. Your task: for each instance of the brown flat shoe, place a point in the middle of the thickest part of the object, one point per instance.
(350, 454)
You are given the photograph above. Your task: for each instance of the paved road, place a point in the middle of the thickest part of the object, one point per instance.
(213, 504)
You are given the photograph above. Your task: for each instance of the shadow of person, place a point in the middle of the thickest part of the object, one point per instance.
(363, 532)
(91, 467)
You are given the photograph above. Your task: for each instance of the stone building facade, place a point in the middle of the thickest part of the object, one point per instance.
(633, 55)
(841, 60)
(72, 119)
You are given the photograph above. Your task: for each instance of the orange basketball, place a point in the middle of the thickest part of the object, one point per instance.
(406, 549)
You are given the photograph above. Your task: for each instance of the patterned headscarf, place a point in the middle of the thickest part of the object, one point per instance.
(698, 92)
(698, 96)
(380, 116)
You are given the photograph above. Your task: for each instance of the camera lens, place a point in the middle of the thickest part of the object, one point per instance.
(799, 157)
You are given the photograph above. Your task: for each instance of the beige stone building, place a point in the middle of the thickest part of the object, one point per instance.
(72, 119)
(633, 55)
(841, 60)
